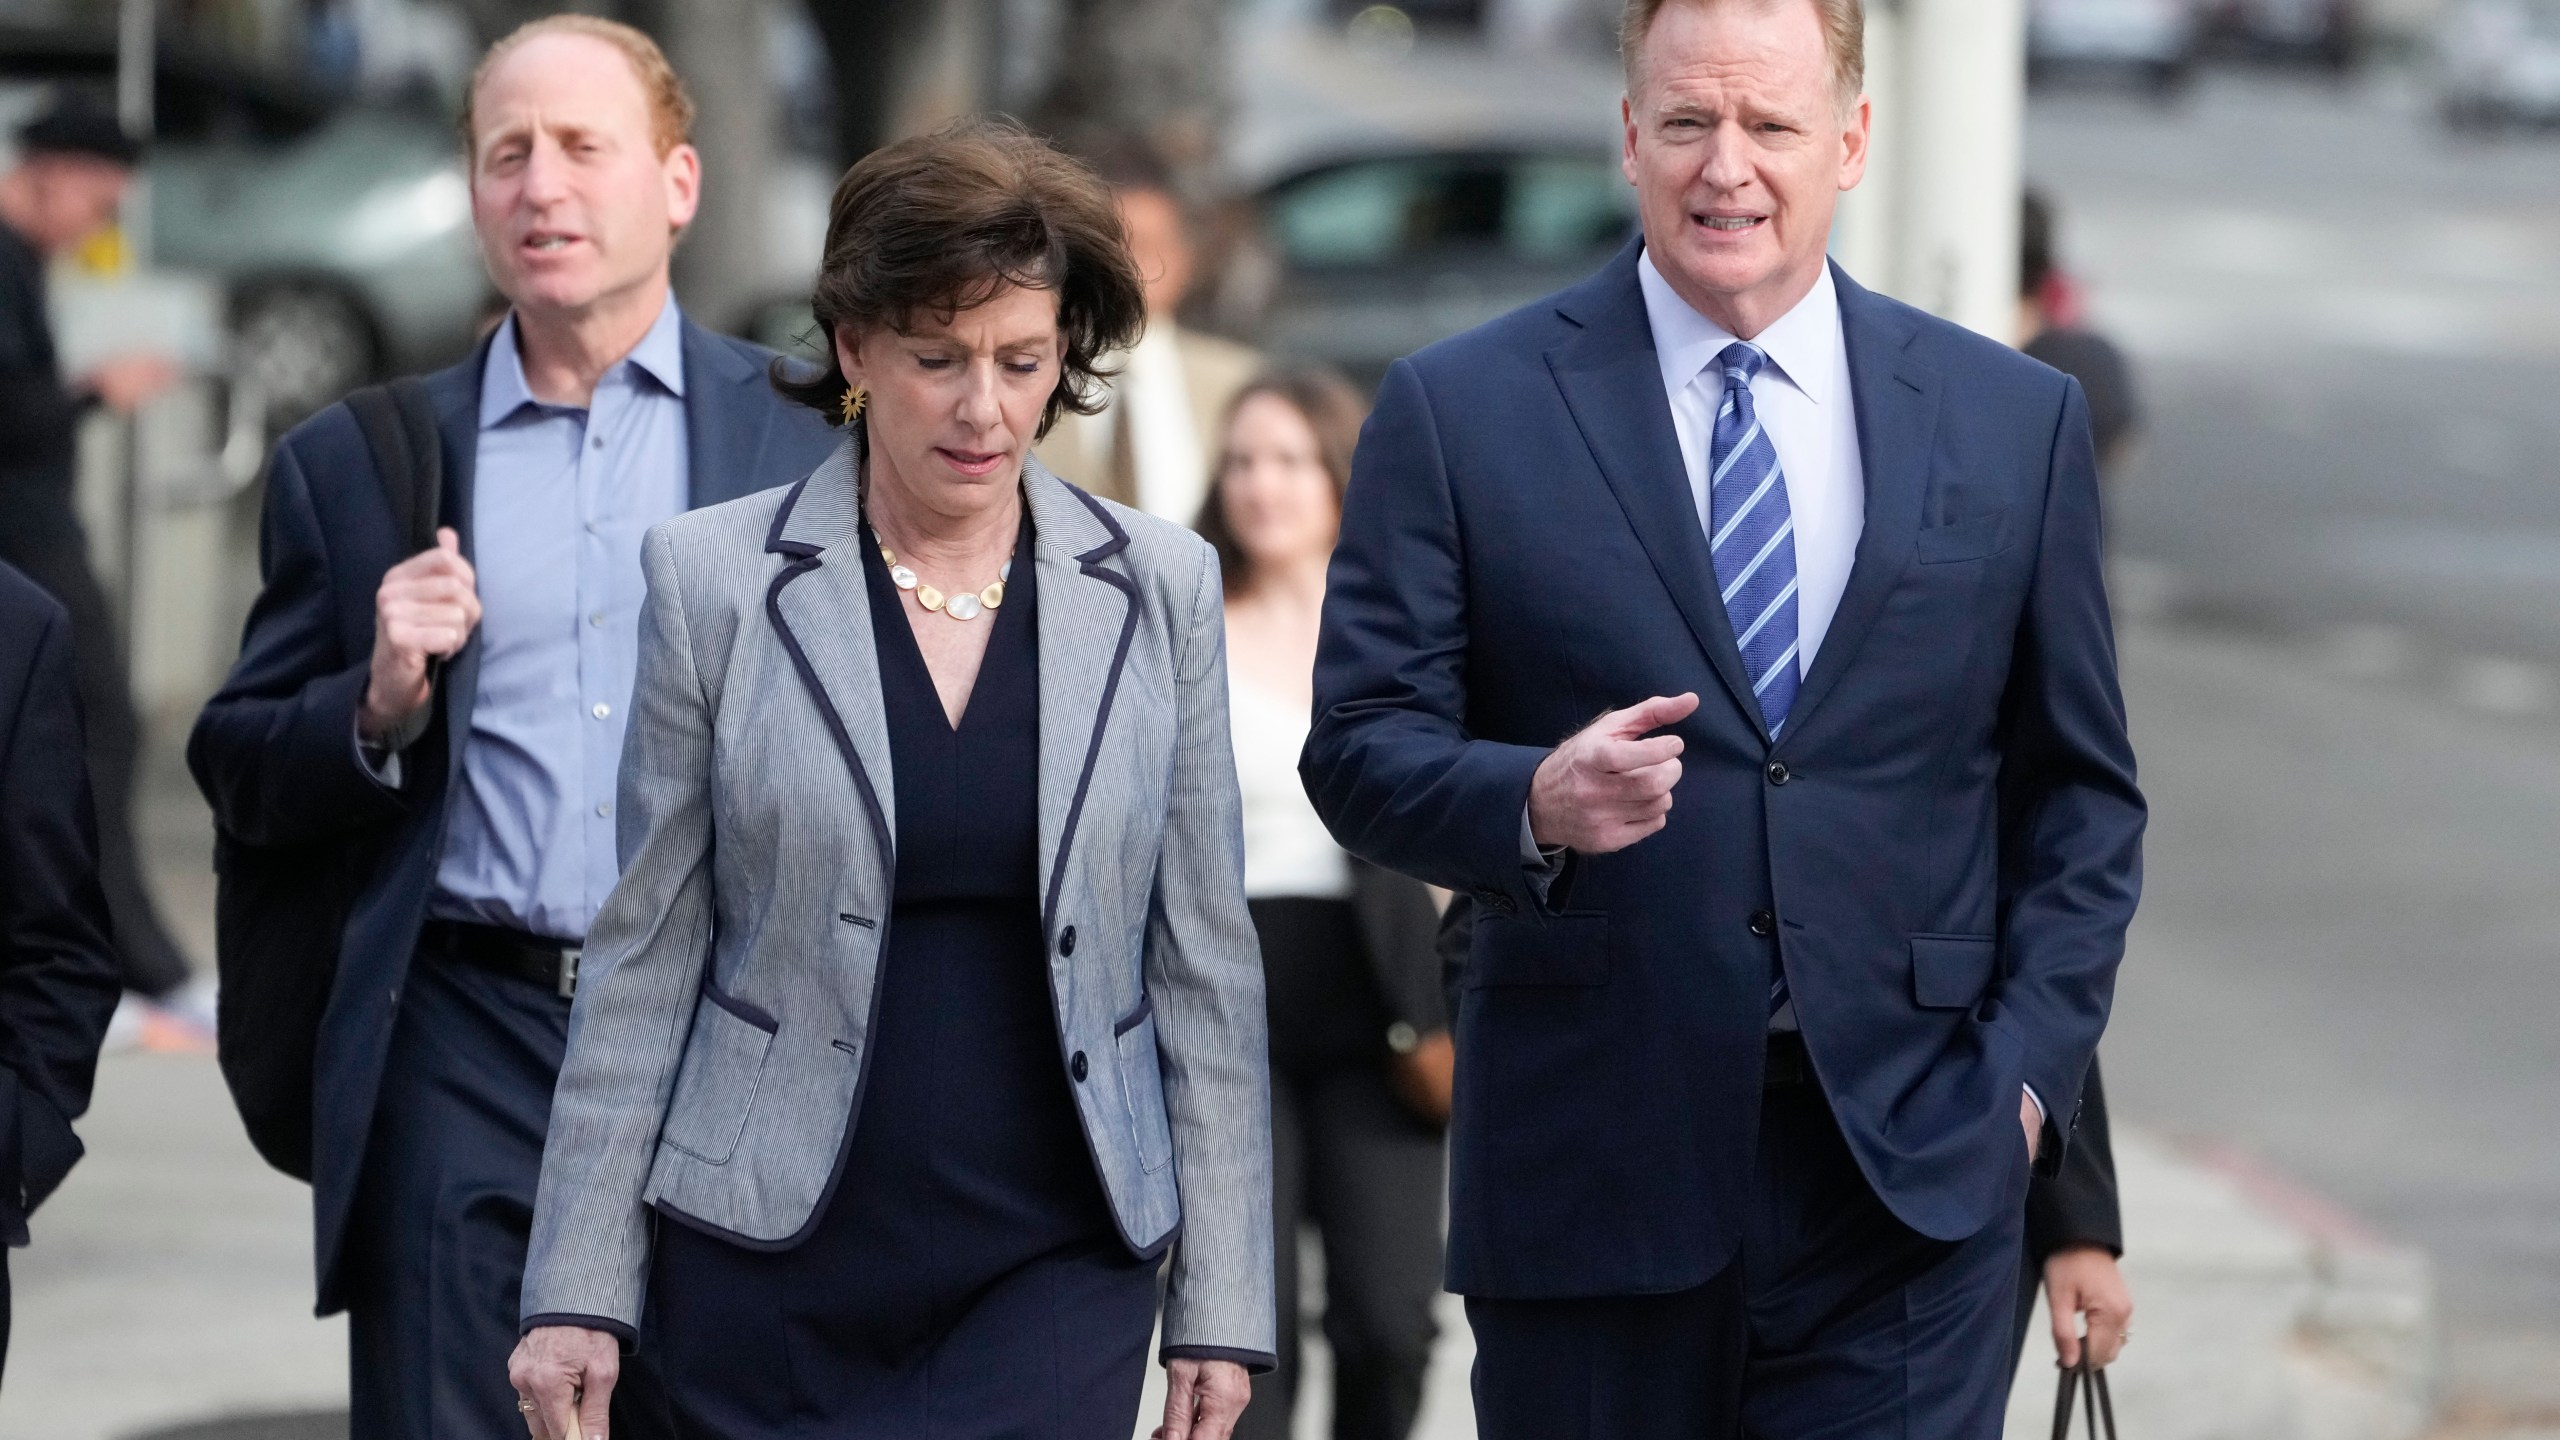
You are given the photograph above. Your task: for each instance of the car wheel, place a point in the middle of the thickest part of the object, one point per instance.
(301, 344)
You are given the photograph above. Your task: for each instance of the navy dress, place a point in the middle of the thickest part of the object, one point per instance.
(966, 1279)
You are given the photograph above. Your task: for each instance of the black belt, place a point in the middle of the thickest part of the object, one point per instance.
(1788, 1066)
(551, 964)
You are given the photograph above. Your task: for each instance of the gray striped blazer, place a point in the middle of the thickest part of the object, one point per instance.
(720, 1036)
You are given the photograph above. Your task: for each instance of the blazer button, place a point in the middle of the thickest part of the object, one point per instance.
(1779, 774)
(1078, 1068)
(1763, 923)
(1067, 946)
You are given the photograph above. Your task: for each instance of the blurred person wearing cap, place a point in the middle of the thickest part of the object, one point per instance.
(1155, 441)
(57, 964)
(1787, 969)
(2052, 328)
(74, 164)
(458, 713)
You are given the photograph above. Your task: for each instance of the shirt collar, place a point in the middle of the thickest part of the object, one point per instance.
(503, 391)
(1803, 344)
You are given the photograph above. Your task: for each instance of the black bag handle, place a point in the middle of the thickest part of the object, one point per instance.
(2078, 1380)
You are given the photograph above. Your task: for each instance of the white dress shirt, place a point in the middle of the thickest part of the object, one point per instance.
(1153, 398)
(1802, 396)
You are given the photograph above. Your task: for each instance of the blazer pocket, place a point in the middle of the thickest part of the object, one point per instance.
(1970, 538)
(1133, 1041)
(716, 1086)
(1951, 972)
(1567, 949)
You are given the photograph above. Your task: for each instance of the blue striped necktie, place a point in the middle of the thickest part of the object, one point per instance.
(1753, 537)
(1754, 543)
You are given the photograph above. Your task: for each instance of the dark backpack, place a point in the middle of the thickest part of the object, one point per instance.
(280, 911)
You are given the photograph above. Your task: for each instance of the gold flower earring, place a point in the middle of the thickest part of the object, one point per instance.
(854, 401)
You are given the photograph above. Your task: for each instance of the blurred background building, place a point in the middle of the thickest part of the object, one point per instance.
(2326, 233)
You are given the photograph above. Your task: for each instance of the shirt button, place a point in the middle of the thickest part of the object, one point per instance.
(599, 442)
(602, 710)
(597, 619)
(604, 810)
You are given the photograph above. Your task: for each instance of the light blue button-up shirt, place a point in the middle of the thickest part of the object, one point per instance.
(560, 498)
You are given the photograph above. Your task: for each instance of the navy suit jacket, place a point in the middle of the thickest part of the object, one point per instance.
(58, 970)
(1946, 861)
(274, 750)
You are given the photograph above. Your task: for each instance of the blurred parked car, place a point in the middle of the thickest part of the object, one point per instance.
(2153, 41)
(2499, 62)
(2328, 33)
(1378, 255)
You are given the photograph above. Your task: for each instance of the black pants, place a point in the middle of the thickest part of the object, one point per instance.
(1835, 1319)
(436, 1252)
(1349, 1159)
(56, 556)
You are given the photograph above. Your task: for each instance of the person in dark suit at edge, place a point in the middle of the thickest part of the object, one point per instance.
(57, 966)
(1749, 1089)
(485, 791)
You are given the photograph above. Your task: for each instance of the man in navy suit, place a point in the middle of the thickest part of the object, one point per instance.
(1789, 965)
(57, 964)
(484, 792)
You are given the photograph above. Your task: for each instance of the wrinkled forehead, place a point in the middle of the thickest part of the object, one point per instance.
(1764, 50)
(561, 83)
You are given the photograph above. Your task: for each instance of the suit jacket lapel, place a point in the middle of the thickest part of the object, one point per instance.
(1088, 613)
(456, 392)
(725, 429)
(1897, 407)
(821, 605)
(1612, 383)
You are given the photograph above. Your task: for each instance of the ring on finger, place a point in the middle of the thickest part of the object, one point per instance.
(525, 1406)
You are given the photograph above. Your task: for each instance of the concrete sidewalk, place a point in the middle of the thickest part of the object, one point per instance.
(169, 1287)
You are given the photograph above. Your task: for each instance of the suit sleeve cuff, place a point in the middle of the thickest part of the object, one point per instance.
(1255, 1362)
(629, 1336)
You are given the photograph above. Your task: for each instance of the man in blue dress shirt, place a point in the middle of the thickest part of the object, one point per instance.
(457, 715)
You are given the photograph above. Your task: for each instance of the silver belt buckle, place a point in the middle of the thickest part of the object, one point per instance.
(569, 956)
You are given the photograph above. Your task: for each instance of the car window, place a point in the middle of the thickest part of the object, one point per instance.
(1375, 212)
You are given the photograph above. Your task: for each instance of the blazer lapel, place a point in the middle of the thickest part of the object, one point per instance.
(1612, 383)
(725, 429)
(456, 393)
(1088, 613)
(821, 606)
(1896, 397)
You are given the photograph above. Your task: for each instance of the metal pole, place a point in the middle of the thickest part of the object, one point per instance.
(137, 44)
(1963, 75)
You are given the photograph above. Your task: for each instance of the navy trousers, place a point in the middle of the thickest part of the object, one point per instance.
(1835, 1322)
(436, 1256)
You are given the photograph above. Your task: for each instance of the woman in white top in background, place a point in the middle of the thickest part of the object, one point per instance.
(1360, 1050)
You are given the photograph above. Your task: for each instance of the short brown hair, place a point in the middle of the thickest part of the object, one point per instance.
(1331, 408)
(940, 223)
(1844, 34)
(670, 108)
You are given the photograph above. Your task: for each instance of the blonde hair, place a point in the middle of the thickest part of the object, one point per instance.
(1844, 35)
(670, 108)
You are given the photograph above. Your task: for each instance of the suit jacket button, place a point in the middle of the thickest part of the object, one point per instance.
(1067, 946)
(1779, 774)
(1078, 1068)
(1763, 923)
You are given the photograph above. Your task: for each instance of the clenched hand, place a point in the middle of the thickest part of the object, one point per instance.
(426, 609)
(564, 1377)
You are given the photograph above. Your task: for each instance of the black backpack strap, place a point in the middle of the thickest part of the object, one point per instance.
(426, 451)
(399, 427)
